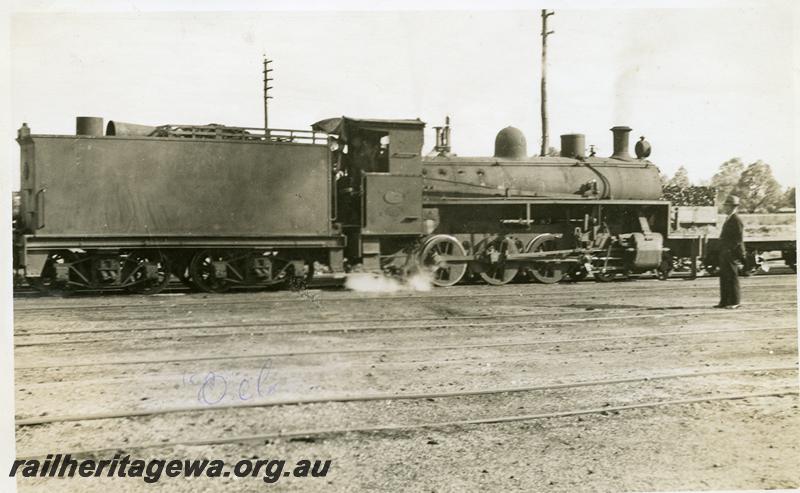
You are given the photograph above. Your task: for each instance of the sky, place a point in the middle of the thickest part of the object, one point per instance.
(702, 84)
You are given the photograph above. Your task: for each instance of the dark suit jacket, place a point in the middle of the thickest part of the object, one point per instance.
(731, 238)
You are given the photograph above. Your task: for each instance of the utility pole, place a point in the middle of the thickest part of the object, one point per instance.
(545, 34)
(267, 97)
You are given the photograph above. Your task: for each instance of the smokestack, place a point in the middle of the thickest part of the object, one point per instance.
(621, 143)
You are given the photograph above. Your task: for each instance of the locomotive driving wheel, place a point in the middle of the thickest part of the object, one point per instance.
(444, 274)
(545, 272)
(495, 270)
(146, 272)
(204, 272)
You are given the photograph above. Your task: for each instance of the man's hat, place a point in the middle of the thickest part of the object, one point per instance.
(732, 200)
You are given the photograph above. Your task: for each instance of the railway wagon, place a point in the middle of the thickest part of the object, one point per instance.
(694, 239)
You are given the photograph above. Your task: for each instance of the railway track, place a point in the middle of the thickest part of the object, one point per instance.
(512, 291)
(383, 349)
(108, 392)
(422, 398)
(361, 397)
(452, 314)
(390, 374)
(406, 326)
(23, 290)
(463, 422)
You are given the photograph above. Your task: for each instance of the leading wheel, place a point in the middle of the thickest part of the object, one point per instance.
(204, 274)
(545, 272)
(146, 272)
(432, 258)
(495, 269)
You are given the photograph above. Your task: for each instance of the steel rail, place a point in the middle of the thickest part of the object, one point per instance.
(149, 305)
(464, 422)
(364, 397)
(550, 308)
(420, 426)
(447, 347)
(381, 328)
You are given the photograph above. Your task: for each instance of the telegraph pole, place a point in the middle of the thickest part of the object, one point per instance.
(545, 34)
(267, 97)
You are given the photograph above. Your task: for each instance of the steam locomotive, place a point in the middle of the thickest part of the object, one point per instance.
(222, 207)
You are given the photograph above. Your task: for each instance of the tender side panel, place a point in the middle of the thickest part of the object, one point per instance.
(123, 186)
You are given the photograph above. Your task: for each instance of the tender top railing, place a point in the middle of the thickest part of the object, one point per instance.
(240, 133)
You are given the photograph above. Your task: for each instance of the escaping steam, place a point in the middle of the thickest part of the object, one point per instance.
(377, 283)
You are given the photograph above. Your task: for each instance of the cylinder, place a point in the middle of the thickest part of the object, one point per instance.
(621, 143)
(573, 145)
(89, 125)
(123, 128)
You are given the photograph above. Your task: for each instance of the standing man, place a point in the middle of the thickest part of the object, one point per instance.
(731, 242)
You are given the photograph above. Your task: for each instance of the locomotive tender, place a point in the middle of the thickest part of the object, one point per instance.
(221, 207)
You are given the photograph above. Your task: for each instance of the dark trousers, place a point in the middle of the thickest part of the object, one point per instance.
(728, 279)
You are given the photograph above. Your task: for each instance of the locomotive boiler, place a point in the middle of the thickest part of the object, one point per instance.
(220, 207)
(546, 218)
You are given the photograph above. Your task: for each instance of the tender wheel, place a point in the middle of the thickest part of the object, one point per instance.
(444, 274)
(203, 272)
(545, 272)
(136, 277)
(498, 273)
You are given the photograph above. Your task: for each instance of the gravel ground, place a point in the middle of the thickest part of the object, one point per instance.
(84, 355)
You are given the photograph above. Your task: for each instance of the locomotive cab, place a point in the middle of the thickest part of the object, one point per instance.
(378, 186)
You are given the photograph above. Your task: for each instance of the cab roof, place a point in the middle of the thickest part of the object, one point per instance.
(343, 125)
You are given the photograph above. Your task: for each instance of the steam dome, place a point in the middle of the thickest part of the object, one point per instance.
(510, 144)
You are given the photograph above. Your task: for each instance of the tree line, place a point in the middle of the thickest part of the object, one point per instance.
(754, 184)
